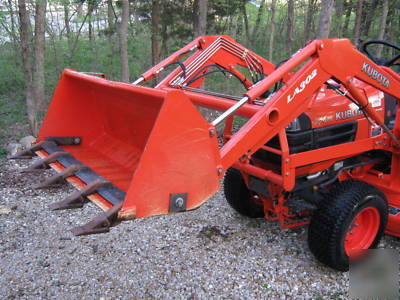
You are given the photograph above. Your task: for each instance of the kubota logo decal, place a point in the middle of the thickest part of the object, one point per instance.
(347, 114)
(302, 86)
(375, 75)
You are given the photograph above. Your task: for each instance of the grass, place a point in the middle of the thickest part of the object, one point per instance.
(12, 111)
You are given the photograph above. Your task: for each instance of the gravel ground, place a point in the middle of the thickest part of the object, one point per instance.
(211, 252)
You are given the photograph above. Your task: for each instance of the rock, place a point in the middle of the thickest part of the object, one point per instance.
(4, 210)
(13, 148)
(27, 141)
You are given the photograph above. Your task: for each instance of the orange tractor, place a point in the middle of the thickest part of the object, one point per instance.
(320, 145)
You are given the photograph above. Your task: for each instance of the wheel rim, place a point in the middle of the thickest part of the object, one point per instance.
(362, 231)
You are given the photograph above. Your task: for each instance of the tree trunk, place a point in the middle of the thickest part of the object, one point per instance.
(67, 25)
(38, 75)
(155, 32)
(245, 19)
(200, 17)
(123, 43)
(357, 24)
(290, 27)
(164, 37)
(325, 19)
(339, 7)
(111, 30)
(272, 29)
(393, 23)
(349, 8)
(309, 19)
(238, 27)
(26, 59)
(13, 34)
(382, 26)
(110, 16)
(258, 21)
(370, 14)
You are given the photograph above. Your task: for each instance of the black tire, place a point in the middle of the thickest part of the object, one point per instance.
(332, 220)
(239, 197)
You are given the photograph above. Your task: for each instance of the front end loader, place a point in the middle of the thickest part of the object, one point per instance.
(320, 146)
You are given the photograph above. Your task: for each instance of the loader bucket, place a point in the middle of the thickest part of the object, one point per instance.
(144, 151)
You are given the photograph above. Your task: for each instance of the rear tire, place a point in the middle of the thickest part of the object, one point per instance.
(239, 197)
(351, 218)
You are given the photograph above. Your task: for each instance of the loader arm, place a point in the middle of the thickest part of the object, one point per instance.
(322, 59)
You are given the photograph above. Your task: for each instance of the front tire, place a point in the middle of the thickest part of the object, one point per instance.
(350, 219)
(239, 197)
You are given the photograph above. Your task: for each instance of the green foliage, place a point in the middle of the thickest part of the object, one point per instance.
(3, 152)
(101, 52)
(12, 111)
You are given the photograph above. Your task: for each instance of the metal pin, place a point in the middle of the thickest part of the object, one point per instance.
(230, 111)
(137, 81)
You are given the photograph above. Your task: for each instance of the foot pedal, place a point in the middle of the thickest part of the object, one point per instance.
(101, 223)
(77, 199)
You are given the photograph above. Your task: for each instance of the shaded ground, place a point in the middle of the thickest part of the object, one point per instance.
(211, 251)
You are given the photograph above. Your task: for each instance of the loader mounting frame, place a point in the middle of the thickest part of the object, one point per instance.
(179, 126)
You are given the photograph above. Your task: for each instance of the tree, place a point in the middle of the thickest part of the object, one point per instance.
(357, 24)
(245, 19)
(123, 43)
(369, 17)
(382, 26)
(339, 8)
(311, 9)
(34, 73)
(272, 30)
(66, 22)
(325, 19)
(200, 17)
(290, 24)
(155, 31)
(258, 21)
(26, 61)
(38, 75)
(348, 7)
(12, 31)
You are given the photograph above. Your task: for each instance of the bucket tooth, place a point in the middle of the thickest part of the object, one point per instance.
(44, 163)
(30, 152)
(101, 223)
(60, 176)
(77, 199)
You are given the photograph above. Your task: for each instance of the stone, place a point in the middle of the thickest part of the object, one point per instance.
(4, 210)
(27, 141)
(13, 148)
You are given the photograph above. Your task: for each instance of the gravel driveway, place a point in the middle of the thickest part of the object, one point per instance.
(211, 252)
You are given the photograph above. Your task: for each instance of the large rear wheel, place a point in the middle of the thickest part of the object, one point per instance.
(350, 219)
(239, 197)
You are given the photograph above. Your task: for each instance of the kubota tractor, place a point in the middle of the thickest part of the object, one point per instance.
(320, 147)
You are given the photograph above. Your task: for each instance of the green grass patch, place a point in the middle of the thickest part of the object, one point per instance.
(12, 111)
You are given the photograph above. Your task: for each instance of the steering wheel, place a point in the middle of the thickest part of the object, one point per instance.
(381, 61)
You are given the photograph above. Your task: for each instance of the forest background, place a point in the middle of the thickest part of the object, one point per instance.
(123, 38)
